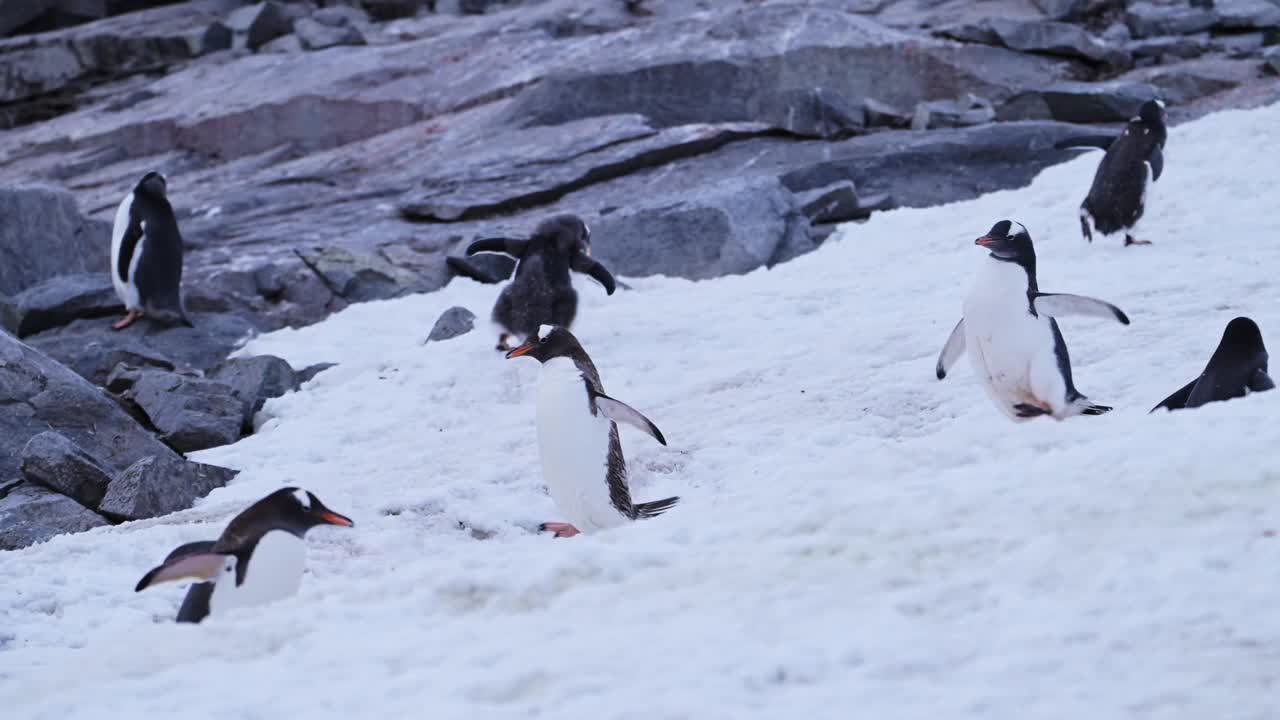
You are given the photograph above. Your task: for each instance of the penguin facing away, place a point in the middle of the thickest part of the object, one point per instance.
(1133, 160)
(541, 292)
(1010, 332)
(146, 255)
(258, 559)
(578, 442)
(1237, 368)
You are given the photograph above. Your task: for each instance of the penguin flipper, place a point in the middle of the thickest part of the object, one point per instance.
(191, 548)
(1178, 400)
(197, 566)
(1261, 381)
(511, 246)
(1156, 161)
(1086, 142)
(951, 351)
(1060, 304)
(129, 243)
(621, 412)
(655, 508)
(583, 264)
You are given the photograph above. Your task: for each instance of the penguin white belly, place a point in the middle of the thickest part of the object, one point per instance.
(574, 446)
(274, 573)
(1011, 350)
(127, 291)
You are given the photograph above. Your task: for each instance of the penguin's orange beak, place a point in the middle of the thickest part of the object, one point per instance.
(334, 518)
(524, 349)
(985, 241)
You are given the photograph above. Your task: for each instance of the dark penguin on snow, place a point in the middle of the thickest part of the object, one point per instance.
(541, 292)
(1238, 367)
(146, 255)
(578, 442)
(257, 560)
(1134, 159)
(1012, 337)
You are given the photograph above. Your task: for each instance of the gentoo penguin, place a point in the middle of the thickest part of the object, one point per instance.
(578, 438)
(1238, 367)
(146, 255)
(541, 292)
(1135, 158)
(257, 560)
(1013, 340)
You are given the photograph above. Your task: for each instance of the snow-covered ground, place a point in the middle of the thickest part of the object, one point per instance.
(855, 539)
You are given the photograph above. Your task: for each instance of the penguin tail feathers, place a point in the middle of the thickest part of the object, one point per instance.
(655, 508)
(1091, 409)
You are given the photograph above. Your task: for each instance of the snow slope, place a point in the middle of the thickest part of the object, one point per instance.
(855, 539)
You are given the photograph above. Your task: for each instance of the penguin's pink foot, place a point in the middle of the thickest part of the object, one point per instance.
(1128, 240)
(560, 529)
(127, 320)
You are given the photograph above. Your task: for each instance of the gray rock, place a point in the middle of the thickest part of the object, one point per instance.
(1049, 38)
(214, 37)
(971, 110)
(14, 15)
(1062, 9)
(257, 25)
(487, 268)
(1239, 15)
(156, 486)
(1194, 79)
(306, 374)
(358, 277)
(59, 301)
(51, 460)
(254, 380)
(1148, 20)
(1175, 46)
(393, 9)
(339, 15)
(315, 35)
(835, 203)
(1239, 45)
(1079, 102)
(188, 413)
(38, 394)
(30, 515)
(452, 322)
(880, 114)
(1271, 61)
(728, 229)
(47, 219)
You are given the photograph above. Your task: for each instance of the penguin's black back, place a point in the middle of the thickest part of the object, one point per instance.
(541, 292)
(1116, 198)
(159, 273)
(1234, 367)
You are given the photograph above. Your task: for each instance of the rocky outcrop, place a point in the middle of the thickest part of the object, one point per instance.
(43, 236)
(156, 486)
(30, 514)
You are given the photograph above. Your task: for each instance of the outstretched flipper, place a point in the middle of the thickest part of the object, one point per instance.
(1156, 161)
(583, 264)
(1178, 400)
(194, 566)
(1061, 304)
(655, 508)
(621, 412)
(511, 246)
(952, 350)
(1086, 142)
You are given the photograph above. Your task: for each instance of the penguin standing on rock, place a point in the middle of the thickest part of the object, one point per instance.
(258, 559)
(541, 292)
(582, 459)
(1012, 338)
(1238, 367)
(146, 255)
(1134, 160)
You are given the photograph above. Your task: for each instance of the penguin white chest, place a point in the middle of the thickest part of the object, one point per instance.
(274, 572)
(574, 447)
(126, 289)
(1006, 344)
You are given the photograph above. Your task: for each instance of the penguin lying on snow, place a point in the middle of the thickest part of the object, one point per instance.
(257, 560)
(1238, 367)
(578, 438)
(541, 292)
(146, 255)
(1118, 196)
(1012, 338)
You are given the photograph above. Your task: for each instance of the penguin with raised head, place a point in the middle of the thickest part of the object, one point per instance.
(1134, 159)
(258, 559)
(1237, 368)
(541, 292)
(146, 255)
(1011, 334)
(578, 442)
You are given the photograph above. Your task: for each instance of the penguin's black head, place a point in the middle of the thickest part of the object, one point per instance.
(1152, 113)
(152, 184)
(552, 341)
(297, 511)
(1242, 334)
(568, 232)
(1008, 245)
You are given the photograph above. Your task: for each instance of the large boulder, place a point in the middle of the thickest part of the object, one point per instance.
(1147, 19)
(156, 486)
(189, 413)
(30, 514)
(254, 380)
(43, 235)
(1048, 38)
(58, 301)
(51, 460)
(1080, 102)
